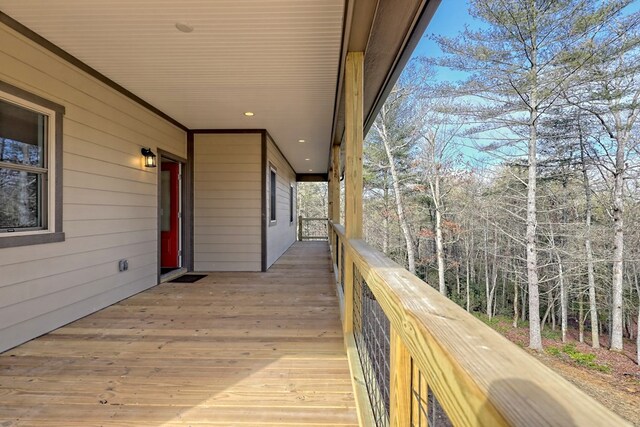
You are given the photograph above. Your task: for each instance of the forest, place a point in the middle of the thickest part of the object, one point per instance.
(514, 189)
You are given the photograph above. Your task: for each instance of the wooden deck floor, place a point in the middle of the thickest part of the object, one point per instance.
(247, 349)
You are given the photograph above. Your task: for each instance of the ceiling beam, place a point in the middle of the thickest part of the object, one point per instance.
(312, 177)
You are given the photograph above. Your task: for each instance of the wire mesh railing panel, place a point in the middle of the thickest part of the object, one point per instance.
(313, 229)
(426, 411)
(372, 335)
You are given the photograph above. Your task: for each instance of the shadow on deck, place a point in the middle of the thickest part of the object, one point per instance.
(230, 349)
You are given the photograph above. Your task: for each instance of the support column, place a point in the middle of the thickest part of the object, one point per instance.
(353, 135)
(334, 199)
(329, 217)
(329, 196)
(334, 185)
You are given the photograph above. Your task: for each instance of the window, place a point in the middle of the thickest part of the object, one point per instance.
(272, 194)
(30, 169)
(291, 204)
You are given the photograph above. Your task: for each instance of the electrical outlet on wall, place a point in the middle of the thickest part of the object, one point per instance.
(123, 265)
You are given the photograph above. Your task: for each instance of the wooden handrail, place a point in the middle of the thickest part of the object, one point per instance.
(478, 376)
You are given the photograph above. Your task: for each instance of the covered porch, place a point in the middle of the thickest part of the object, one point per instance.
(231, 349)
(255, 97)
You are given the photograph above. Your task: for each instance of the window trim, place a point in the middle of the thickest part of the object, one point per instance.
(291, 205)
(53, 231)
(273, 195)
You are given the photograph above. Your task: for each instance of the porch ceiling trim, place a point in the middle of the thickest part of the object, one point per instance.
(417, 28)
(394, 31)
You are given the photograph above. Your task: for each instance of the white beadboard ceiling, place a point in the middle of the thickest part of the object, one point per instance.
(276, 58)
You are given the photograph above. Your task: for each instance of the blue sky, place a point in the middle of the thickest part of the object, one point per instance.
(450, 18)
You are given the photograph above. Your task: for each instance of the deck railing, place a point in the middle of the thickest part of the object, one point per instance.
(418, 359)
(312, 228)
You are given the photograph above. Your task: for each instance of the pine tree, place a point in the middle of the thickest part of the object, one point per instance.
(517, 62)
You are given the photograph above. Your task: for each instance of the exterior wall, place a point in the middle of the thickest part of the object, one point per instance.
(227, 202)
(109, 199)
(281, 234)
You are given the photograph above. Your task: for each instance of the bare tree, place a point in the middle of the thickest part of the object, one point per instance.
(441, 128)
(609, 89)
(591, 283)
(397, 131)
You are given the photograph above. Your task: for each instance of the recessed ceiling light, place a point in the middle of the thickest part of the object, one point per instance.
(248, 114)
(301, 140)
(310, 170)
(307, 159)
(185, 28)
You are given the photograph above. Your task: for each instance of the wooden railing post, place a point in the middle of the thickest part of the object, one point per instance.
(353, 171)
(400, 375)
(300, 228)
(347, 320)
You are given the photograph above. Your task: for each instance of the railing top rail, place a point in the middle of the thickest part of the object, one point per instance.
(339, 228)
(314, 219)
(479, 376)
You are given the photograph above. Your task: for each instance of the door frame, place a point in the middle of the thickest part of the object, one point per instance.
(185, 236)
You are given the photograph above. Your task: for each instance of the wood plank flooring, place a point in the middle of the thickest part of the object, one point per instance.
(233, 349)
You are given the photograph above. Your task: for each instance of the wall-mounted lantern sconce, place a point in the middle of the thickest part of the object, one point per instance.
(149, 158)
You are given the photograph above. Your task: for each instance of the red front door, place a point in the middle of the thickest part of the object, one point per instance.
(169, 214)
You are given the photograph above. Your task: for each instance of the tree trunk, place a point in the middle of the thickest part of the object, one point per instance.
(434, 184)
(593, 309)
(635, 279)
(385, 219)
(404, 224)
(638, 332)
(618, 247)
(553, 315)
(486, 270)
(535, 338)
(515, 303)
(503, 304)
(524, 306)
(563, 290)
(468, 280)
(470, 269)
(550, 306)
(580, 318)
(563, 303)
(494, 271)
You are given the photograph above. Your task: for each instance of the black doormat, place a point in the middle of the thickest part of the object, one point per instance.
(188, 278)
